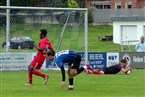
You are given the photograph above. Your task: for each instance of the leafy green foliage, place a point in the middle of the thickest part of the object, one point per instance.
(72, 4)
(16, 2)
(45, 3)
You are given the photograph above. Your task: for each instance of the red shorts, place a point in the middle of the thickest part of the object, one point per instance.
(36, 64)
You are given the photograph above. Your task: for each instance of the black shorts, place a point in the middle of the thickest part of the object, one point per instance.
(106, 71)
(76, 62)
(110, 70)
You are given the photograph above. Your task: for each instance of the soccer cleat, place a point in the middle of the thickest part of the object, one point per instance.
(70, 89)
(28, 84)
(45, 79)
(88, 67)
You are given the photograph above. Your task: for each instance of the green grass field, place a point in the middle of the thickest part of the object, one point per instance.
(71, 40)
(119, 85)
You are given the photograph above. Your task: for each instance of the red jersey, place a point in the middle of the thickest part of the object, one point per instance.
(45, 44)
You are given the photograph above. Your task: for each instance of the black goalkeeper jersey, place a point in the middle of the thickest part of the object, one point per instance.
(113, 69)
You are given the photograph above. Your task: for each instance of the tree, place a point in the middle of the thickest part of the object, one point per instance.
(3, 3)
(15, 2)
(45, 3)
(73, 4)
(81, 3)
(60, 3)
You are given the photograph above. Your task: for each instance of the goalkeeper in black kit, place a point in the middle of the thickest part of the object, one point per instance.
(121, 66)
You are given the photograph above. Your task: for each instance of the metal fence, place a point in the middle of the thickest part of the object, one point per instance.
(105, 15)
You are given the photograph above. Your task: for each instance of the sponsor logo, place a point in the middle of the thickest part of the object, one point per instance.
(112, 57)
(127, 57)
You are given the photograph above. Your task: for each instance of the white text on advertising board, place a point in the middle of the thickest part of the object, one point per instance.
(96, 57)
(138, 59)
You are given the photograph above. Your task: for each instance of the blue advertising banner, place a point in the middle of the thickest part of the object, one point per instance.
(96, 59)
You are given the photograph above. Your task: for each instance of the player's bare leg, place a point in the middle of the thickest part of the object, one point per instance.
(70, 79)
(30, 74)
(71, 73)
(74, 72)
(32, 71)
(44, 76)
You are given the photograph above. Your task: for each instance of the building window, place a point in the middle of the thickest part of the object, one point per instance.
(118, 5)
(102, 6)
(99, 6)
(128, 5)
(106, 6)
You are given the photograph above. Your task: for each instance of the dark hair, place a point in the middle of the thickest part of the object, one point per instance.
(52, 53)
(43, 32)
(123, 61)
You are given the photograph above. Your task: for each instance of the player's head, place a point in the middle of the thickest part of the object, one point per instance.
(142, 39)
(123, 61)
(50, 55)
(43, 33)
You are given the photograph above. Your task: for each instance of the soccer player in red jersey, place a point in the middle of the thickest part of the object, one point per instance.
(43, 46)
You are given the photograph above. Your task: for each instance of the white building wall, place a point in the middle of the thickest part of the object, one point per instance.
(117, 34)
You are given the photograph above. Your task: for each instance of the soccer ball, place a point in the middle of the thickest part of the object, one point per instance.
(128, 71)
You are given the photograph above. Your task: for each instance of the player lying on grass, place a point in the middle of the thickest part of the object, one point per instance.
(121, 66)
(73, 60)
(43, 46)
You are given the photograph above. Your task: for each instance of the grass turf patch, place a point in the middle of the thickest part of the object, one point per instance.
(118, 85)
(72, 39)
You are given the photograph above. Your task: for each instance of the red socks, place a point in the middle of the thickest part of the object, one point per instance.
(96, 72)
(30, 74)
(38, 73)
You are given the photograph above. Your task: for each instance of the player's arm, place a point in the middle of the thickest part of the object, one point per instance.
(50, 46)
(43, 46)
(47, 47)
(124, 70)
(59, 63)
(63, 76)
(52, 50)
(41, 49)
(63, 73)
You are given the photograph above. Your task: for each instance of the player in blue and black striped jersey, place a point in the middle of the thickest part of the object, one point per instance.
(73, 60)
